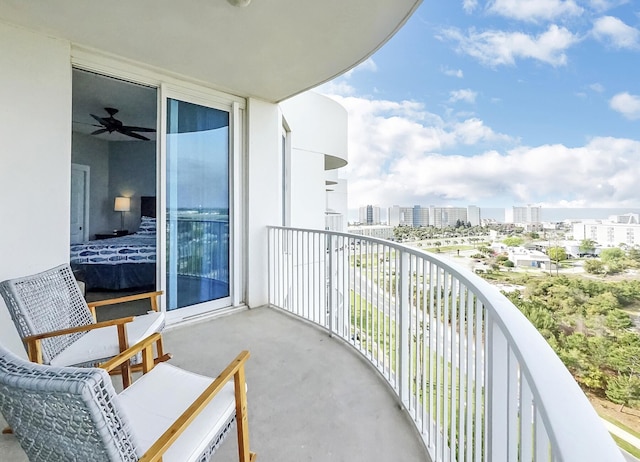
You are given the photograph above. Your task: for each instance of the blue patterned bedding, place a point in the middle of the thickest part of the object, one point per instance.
(134, 248)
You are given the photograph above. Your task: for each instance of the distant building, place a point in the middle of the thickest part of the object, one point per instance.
(627, 219)
(473, 215)
(529, 258)
(420, 216)
(607, 234)
(528, 214)
(415, 216)
(370, 215)
(441, 217)
(379, 231)
(400, 216)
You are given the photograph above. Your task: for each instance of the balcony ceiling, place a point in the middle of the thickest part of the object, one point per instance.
(271, 49)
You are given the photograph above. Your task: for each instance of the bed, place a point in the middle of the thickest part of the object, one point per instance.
(125, 262)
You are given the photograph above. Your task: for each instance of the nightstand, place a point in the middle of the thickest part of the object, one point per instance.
(121, 232)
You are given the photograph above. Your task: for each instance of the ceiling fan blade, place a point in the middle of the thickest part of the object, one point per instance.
(133, 135)
(138, 129)
(97, 132)
(100, 120)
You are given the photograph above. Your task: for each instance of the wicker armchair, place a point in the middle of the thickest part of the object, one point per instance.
(59, 328)
(169, 414)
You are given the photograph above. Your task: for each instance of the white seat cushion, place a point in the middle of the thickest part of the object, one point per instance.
(103, 343)
(159, 397)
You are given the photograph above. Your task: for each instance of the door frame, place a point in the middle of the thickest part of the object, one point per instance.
(191, 91)
(86, 170)
(236, 129)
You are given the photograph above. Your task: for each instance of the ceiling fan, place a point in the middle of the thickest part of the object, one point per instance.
(111, 124)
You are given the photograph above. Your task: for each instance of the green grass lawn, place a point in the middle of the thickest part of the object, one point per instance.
(635, 452)
(375, 328)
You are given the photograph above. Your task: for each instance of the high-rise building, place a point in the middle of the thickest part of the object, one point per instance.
(441, 217)
(420, 216)
(528, 214)
(473, 215)
(370, 215)
(415, 216)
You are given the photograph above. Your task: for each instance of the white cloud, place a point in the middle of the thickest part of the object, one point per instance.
(534, 10)
(368, 65)
(398, 155)
(495, 48)
(336, 87)
(453, 72)
(469, 5)
(604, 5)
(616, 33)
(626, 104)
(466, 95)
(597, 87)
(341, 85)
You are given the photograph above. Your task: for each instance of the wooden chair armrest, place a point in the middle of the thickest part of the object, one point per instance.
(145, 346)
(34, 345)
(152, 296)
(73, 330)
(235, 368)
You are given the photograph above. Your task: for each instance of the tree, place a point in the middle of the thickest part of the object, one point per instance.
(557, 253)
(612, 255)
(484, 250)
(587, 246)
(624, 354)
(618, 320)
(594, 267)
(513, 241)
(624, 390)
(634, 254)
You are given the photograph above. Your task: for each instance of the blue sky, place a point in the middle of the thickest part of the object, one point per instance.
(499, 103)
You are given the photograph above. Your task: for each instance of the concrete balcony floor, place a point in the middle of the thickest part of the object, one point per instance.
(310, 397)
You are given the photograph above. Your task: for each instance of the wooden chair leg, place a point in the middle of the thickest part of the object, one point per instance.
(159, 347)
(242, 419)
(126, 366)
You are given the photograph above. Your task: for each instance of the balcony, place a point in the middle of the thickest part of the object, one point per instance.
(375, 351)
(310, 399)
(477, 379)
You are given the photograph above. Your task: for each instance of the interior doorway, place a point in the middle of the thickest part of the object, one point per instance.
(79, 224)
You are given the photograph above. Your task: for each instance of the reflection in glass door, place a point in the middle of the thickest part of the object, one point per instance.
(197, 204)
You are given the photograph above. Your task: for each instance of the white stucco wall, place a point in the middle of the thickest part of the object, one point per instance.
(318, 140)
(132, 167)
(320, 125)
(307, 189)
(337, 197)
(94, 153)
(264, 206)
(35, 158)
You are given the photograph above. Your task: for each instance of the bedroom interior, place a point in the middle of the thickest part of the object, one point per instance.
(114, 188)
(113, 207)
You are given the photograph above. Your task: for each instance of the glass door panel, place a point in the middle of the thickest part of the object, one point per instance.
(197, 204)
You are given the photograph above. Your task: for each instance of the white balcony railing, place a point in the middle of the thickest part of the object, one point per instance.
(478, 380)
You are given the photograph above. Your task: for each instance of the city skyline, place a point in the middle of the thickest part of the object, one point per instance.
(498, 103)
(499, 214)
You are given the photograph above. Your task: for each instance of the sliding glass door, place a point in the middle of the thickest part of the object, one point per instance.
(197, 204)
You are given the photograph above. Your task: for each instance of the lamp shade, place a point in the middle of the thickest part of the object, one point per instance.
(122, 204)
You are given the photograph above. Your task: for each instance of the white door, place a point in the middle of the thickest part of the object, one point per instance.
(79, 203)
